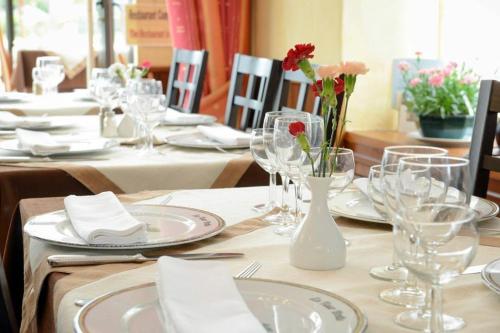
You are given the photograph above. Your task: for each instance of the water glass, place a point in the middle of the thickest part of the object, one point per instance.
(340, 168)
(48, 73)
(375, 190)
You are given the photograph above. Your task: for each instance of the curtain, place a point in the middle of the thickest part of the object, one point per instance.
(222, 27)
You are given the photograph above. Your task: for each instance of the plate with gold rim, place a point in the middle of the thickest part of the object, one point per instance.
(279, 306)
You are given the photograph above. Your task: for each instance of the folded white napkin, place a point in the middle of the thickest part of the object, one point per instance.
(201, 297)
(102, 219)
(225, 135)
(40, 143)
(362, 185)
(10, 120)
(174, 117)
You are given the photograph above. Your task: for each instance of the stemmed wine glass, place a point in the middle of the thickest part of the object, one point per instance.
(375, 190)
(405, 293)
(291, 158)
(424, 183)
(258, 150)
(341, 168)
(284, 216)
(49, 72)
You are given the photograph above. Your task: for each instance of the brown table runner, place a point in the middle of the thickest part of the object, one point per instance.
(35, 281)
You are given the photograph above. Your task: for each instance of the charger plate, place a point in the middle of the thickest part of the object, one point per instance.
(166, 226)
(356, 205)
(279, 306)
(491, 276)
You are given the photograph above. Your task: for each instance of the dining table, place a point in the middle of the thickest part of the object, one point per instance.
(50, 292)
(61, 104)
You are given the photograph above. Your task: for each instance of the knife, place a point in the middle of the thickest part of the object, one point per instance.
(60, 260)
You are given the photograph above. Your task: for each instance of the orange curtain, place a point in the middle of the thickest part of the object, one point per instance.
(222, 27)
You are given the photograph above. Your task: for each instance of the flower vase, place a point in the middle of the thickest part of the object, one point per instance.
(317, 244)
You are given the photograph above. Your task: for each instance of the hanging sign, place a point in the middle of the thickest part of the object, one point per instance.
(147, 25)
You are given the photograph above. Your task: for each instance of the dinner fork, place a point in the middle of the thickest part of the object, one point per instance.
(249, 271)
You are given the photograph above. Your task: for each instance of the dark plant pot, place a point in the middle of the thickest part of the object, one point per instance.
(446, 128)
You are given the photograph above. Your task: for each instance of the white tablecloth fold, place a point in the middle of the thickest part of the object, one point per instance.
(202, 297)
(225, 135)
(10, 120)
(174, 117)
(102, 219)
(40, 143)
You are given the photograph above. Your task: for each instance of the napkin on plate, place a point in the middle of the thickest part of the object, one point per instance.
(201, 297)
(40, 143)
(174, 117)
(362, 185)
(225, 135)
(102, 219)
(10, 120)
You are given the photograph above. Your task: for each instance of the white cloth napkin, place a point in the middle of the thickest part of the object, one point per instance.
(362, 185)
(225, 135)
(10, 120)
(40, 143)
(201, 297)
(102, 219)
(174, 117)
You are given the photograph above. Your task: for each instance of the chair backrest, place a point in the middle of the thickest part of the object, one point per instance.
(253, 85)
(185, 80)
(8, 322)
(481, 156)
(295, 79)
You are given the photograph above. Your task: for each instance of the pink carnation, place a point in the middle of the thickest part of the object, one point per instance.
(468, 79)
(353, 68)
(424, 71)
(328, 71)
(418, 54)
(415, 81)
(436, 80)
(404, 66)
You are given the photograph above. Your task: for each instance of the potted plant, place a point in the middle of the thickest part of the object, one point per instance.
(443, 99)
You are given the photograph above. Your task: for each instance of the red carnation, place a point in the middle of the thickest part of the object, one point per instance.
(300, 52)
(296, 128)
(339, 86)
(317, 88)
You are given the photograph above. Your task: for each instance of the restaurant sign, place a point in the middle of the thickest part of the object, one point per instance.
(147, 25)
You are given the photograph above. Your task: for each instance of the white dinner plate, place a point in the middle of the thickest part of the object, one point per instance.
(52, 124)
(198, 140)
(166, 226)
(89, 146)
(440, 141)
(491, 275)
(356, 205)
(279, 306)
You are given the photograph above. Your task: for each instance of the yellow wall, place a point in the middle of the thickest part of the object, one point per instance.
(373, 31)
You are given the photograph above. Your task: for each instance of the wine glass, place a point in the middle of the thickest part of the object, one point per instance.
(431, 180)
(284, 216)
(375, 190)
(49, 72)
(405, 293)
(436, 242)
(258, 150)
(291, 158)
(341, 169)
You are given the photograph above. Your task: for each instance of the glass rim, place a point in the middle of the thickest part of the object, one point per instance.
(285, 119)
(393, 150)
(460, 161)
(342, 151)
(470, 217)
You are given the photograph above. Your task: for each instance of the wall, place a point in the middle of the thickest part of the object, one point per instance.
(373, 31)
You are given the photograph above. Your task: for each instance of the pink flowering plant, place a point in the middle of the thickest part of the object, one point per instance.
(439, 92)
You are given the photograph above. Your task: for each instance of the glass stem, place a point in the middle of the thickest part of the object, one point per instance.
(436, 322)
(298, 201)
(272, 189)
(149, 139)
(284, 194)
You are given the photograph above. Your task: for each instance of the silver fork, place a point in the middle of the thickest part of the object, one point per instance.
(249, 271)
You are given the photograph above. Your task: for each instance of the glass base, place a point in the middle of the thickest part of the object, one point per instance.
(264, 208)
(286, 230)
(407, 297)
(418, 320)
(389, 273)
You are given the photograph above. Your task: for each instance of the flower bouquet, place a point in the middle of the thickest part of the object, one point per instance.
(129, 72)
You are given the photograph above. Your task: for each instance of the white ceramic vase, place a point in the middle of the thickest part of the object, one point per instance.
(317, 244)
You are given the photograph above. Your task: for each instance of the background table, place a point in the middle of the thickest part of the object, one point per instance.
(370, 245)
(62, 104)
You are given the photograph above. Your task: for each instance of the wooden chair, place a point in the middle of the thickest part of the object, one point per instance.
(254, 82)
(8, 323)
(288, 81)
(481, 156)
(185, 80)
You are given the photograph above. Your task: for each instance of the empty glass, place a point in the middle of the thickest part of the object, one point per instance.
(341, 169)
(375, 190)
(48, 73)
(258, 150)
(436, 242)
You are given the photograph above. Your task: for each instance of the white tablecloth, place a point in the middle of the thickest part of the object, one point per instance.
(62, 104)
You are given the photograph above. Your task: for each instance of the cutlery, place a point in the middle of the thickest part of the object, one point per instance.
(473, 269)
(249, 271)
(60, 260)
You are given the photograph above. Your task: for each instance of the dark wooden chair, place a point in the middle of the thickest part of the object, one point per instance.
(8, 323)
(481, 157)
(254, 82)
(185, 80)
(290, 82)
